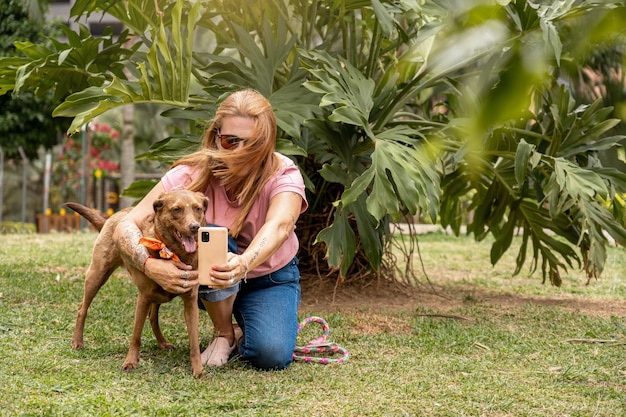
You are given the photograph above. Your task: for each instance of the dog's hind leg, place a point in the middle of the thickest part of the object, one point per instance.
(94, 280)
(190, 302)
(141, 312)
(156, 328)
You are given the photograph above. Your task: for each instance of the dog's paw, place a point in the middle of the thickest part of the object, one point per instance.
(77, 344)
(129, 366)
(166, 346)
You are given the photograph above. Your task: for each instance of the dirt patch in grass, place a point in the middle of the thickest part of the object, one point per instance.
(376, 298)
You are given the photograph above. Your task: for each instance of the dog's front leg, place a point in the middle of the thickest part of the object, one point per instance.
(190, 303)
(141, 312)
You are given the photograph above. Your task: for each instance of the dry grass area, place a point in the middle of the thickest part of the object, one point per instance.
(371, 306)
(383, 297)
(459, 275)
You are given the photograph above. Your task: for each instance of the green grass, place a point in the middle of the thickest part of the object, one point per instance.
(502, 362)
(458, 262)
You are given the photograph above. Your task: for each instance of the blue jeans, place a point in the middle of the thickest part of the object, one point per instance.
(266, 309)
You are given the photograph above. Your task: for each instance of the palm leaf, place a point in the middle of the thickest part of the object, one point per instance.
(164, 75)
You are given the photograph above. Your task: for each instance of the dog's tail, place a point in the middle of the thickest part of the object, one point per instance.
(92, 216)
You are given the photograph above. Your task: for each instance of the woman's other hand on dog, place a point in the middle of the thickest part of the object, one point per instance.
(173, 277)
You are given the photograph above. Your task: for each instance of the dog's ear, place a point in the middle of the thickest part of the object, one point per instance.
(205, 200)
(158, 203)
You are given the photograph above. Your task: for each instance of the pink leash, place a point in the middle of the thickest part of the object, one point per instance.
(319, 345)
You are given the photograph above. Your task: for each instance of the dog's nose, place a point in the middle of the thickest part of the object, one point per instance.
(193, 227)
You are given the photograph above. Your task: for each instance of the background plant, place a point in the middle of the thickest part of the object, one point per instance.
(101, 156)
(25, 120)
(390, 109)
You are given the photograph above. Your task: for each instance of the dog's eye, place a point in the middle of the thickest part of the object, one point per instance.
(175, 209)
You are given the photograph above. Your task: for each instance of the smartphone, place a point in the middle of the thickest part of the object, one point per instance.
(212, 250)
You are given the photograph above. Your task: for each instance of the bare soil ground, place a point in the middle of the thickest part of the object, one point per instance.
(377, 302)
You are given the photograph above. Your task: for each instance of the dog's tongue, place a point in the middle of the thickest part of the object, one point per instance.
(189, 243)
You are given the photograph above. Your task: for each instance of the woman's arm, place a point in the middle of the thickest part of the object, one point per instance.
(281, 218)
(166, 273)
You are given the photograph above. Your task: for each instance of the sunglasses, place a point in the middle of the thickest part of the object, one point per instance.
(228, 141)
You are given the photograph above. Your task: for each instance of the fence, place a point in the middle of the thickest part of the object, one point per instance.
(63, 222)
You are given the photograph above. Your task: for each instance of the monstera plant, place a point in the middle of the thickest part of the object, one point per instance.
(390, 108)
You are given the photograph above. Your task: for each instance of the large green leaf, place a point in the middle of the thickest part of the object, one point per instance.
(164, 76)
(522, 160)
(343, 88)
(509, 97)
(65, 67)
(547, 247)
(371, 232)
(504, 237)
(402, 172)
(137, 15)
(340, 241)
(172, 148)
(578, 182)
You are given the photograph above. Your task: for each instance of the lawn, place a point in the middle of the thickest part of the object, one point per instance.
(486, 354)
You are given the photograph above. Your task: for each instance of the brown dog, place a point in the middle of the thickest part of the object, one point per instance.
(177, 217)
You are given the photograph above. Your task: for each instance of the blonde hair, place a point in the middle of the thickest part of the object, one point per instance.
(250, 166)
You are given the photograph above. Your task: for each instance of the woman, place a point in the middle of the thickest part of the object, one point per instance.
(258, 194)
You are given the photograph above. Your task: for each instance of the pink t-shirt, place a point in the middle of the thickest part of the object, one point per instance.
(287, 179)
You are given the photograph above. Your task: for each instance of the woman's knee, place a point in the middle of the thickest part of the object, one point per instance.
(268, 355)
